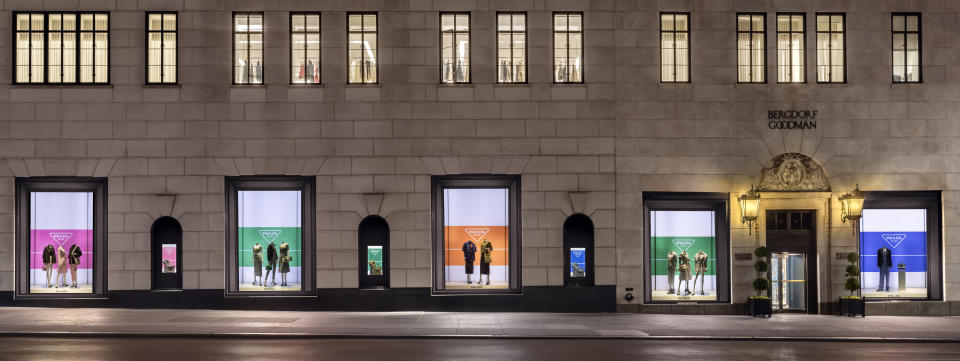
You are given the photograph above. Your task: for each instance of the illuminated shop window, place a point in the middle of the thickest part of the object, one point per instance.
(62, 48)
(362, 62)
(791, 50)
(455, 47)
(751, 48)
(674, 47)
(305, 48)
(831, 48)
(568, 47)
(511, 47)
(248, 48)
(900, 246)
(477, 225)
(162, 48)
(906, 48)
(688, 247)
(60, 236)
(270, 235)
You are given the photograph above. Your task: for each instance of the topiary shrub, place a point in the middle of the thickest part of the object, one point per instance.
(853, 275)
(761, 283)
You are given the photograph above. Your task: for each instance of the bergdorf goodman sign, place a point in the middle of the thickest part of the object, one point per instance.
(792, 119)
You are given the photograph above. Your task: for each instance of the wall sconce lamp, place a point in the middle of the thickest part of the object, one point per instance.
(750, 209)
(851, 207)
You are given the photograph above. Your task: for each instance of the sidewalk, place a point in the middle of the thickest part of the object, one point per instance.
(36, 321)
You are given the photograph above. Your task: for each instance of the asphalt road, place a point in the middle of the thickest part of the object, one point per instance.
(204, 348)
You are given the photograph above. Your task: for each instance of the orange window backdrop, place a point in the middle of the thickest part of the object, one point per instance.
(455, 236)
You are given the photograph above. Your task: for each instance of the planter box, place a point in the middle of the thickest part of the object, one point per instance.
(759, 307)
(852, 307)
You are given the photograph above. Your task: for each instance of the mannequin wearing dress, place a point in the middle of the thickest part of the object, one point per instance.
(700, 266)
(284, 261)
(257, 264)
(671, 271)
(62, 266)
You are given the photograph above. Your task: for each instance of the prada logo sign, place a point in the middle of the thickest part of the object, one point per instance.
(792, 119)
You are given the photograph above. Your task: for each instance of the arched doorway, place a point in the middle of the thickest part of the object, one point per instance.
(578, 251)
(373, 239)
(166, 238)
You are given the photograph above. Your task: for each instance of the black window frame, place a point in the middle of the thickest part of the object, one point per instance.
(589, 247)
(319, 33)
(368, 225)
(233, 46)
(689, 45)
(583, 45)
(690, 201)
(307, 186)
(803, 32)
(905, 32)
(510, 182)
(27, 185)
(817, 32)
(455, 32)
(752, 32)
(932, 202)
(46, 48)
(526, 43)
(376, 33)
(146, 48)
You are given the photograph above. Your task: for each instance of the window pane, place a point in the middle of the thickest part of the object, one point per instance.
(170, 58)
(61, 242)
(155, 22)
(269, 241)
(170, 22)
(476, 238)
(893, 253)
(913, 23)
(683, 247)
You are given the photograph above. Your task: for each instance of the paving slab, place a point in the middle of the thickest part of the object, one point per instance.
(89, 322)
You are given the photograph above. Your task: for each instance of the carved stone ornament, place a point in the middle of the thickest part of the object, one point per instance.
(793, 172)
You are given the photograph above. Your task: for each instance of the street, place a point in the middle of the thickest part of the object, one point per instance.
(207, 348)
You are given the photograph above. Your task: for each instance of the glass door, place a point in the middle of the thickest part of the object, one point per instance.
(788, 274)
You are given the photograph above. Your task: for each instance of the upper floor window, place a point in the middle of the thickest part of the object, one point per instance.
(568, 47)
(62, 47)
(455, 48)
(305, 48)
(248, 48)
(790, 48)
(511, 47)
(162, 48)
(906, 48)
(831, 52)
(674, 47)
(751, 48)
(362, 52)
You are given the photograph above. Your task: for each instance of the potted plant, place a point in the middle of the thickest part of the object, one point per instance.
(760, 305)
(852, 305)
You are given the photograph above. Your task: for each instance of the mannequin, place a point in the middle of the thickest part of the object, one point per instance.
(74, 257)
(671, 270)
(700, 266)
(49, 259)
(684, 273)
(486, 257)
(62, 265)
(884, 262)
(257, 264)
(284, 262)
(271, 264)
(469, 254)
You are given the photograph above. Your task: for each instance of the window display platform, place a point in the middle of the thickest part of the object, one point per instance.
(907, 293)
(662, 295)
(67, 289)
(270, 287)
(462, 285)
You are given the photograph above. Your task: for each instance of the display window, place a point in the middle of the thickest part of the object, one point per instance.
(62, 236)
(477, 235)
(687, 247)
(269, 239)
(168, 258)
(374, 260)
(899, 249)
(578, 262)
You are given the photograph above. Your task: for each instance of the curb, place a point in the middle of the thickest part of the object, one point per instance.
(248, 335)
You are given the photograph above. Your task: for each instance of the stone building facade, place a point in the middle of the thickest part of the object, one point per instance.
(594, 148)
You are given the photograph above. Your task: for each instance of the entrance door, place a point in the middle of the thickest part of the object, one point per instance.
(788, 274)
(792, 241)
